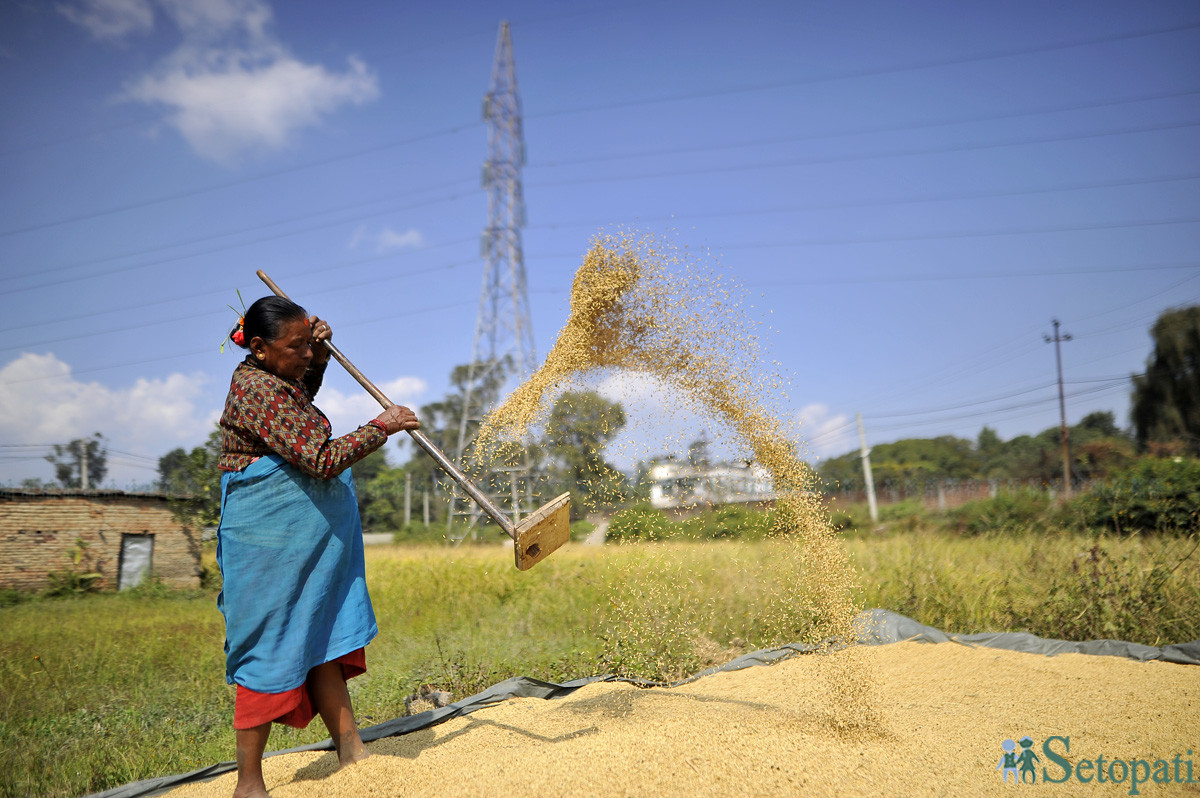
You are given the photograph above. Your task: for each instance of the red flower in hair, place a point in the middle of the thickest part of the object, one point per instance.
(238, 338)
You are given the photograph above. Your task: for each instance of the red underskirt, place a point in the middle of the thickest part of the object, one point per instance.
(292, 707)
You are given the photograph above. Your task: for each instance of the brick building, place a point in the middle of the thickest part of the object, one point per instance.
(125, 537)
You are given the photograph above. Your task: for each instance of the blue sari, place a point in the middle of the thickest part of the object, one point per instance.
(294, 591)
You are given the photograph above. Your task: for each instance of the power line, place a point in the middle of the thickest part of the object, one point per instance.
(822, 206)
(828, 206)
(922, 278)
(945, 277)
(208, 351)
(243, 230)
(914, 66)
(1018, 406)
(896, 153)
(143, 324)
(178, 195)
(924, 64)
(148, 264)
(910, 200)
(842, 134)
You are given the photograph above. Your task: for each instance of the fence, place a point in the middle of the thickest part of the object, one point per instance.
(942, 494)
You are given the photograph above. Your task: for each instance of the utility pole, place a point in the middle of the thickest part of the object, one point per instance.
(866, 463)
(503, 330)
(1062, 406)
(83, 465)
(407, 498)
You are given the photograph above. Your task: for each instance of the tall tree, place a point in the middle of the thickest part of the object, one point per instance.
(69, 459)
(440, 422)
(194, 475)
(581, 424)
(1166, 399)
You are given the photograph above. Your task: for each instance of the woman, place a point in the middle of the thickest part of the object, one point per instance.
(297, 613)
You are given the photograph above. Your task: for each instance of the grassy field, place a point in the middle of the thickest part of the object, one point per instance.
(106, 689)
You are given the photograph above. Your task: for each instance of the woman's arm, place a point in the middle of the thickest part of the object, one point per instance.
(321, 331)
(288, 425)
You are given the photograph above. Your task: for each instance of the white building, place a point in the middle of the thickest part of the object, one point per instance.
(679, 484)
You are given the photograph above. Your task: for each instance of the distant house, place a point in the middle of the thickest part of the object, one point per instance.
(123, 537)
(681, 484)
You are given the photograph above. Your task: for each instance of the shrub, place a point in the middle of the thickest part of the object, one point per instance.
(639, 522)
(420, 533)
(581, 529)
(1154, 495)
(1101, 598)
(11, 598)
(908, 515)
(728, 523)
(1007, 512)
(74, 580)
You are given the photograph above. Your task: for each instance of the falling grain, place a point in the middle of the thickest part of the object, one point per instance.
(640, 305)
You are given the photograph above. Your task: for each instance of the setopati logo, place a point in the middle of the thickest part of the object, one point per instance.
(1020, 761)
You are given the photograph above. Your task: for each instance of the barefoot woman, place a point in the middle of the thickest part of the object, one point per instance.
(297, 613)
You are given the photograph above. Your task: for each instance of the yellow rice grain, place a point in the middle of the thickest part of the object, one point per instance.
(765, 731)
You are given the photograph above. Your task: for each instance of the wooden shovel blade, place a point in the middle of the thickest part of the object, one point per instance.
(543, 532)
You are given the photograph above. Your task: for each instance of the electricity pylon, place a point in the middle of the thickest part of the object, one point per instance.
(503, 344)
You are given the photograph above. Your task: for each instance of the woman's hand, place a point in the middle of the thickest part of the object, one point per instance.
(321, 331)
(397, 418)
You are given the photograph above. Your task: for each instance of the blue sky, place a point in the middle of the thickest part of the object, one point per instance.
(911, 191)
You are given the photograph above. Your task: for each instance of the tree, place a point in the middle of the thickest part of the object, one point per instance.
(1166, 399)
(194, 475)
(441, 420)
(374, 502)
(68, 460)
(989, 446)
(918, 460)
(1103, 423)
(580, 425)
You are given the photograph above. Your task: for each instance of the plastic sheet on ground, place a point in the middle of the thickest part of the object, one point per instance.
(878, 627)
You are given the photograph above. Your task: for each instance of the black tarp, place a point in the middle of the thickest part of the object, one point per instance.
(878, 627)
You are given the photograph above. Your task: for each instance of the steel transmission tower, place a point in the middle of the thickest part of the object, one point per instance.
(503, 344)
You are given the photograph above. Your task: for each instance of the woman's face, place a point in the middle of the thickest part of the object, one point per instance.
(288, 355)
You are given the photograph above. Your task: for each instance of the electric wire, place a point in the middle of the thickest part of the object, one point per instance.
(823, 160)
(194, 192)
(840, 135)
(929, 63)
(454, 129)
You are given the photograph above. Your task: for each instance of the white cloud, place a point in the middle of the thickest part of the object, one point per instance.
(347, 411)
(386, 240)
(230, 87)
(389, 239)
(199, 18)
(42, 403)
(110, 19)
(227, 102)
(660, 420)
(826, 434)
(664, 421)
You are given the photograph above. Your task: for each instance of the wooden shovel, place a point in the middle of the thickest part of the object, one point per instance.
(534, 538)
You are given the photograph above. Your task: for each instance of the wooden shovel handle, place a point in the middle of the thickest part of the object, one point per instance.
(433, 451)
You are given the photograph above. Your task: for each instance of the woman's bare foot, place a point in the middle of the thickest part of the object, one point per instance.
(350, 748)
(251, 792)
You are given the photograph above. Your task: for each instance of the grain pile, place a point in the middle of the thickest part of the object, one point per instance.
(762, 731)
(640, 305)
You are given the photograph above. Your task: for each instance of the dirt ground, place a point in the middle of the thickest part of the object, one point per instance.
(947, 711)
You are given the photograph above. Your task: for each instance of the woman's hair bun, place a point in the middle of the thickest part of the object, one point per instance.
(265, 319)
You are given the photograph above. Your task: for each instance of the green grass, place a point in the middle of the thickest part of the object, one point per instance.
(106, 689)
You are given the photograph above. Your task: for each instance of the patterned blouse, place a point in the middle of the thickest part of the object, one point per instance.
(266, 414)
